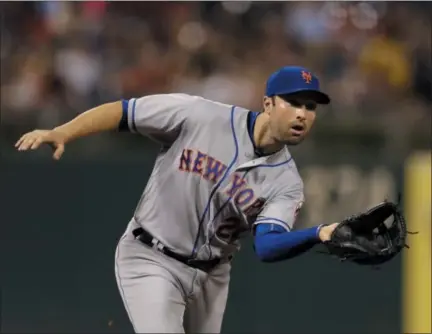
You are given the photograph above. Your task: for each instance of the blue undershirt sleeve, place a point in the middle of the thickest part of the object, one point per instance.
(273, 243)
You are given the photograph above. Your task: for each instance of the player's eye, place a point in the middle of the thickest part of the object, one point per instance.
(309, 105)
(295, 103)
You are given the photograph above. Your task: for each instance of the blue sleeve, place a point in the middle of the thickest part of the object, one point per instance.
(273, 243)
(123, 125)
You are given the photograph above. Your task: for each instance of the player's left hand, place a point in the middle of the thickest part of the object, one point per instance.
(326, 231)
(365, 238)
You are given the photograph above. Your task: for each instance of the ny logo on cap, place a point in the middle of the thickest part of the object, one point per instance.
(307, 76)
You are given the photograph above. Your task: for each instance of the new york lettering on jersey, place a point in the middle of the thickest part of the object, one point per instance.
(211, 169)
(222, 230)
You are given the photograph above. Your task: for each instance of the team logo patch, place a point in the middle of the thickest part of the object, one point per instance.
(307, 77)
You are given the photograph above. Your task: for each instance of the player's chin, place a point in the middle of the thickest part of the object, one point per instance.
(293, 140)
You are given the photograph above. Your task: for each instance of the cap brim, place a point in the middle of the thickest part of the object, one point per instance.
(316, 95)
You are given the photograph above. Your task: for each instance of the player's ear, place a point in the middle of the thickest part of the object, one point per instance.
(267, 103)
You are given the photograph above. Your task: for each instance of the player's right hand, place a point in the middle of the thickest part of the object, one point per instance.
(32, 140)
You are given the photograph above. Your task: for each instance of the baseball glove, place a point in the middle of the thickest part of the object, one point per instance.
(370, 238)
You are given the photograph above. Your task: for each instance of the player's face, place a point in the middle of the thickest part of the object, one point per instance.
(291, 117)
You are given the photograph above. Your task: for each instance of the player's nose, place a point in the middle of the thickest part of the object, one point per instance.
(301, 113)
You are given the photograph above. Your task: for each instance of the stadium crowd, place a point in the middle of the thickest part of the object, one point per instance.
(61, 58)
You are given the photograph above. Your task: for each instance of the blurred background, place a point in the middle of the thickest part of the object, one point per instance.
(60, 221)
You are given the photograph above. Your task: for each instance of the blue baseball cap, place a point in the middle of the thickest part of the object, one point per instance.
(295, 79)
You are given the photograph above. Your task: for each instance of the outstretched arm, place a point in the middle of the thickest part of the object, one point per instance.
(160, 117)
(102, 118)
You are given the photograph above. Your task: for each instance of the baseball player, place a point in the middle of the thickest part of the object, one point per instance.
(223, 172)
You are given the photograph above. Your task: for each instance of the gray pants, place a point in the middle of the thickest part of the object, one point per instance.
(163, 295)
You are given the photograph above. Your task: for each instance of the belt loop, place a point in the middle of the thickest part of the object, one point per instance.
(157, 244)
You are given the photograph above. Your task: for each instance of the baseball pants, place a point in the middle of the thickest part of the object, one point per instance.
(163, 295)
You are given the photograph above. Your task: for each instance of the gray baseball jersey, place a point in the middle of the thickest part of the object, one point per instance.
(208, 188)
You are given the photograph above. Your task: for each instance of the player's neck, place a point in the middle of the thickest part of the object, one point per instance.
(262, 135)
